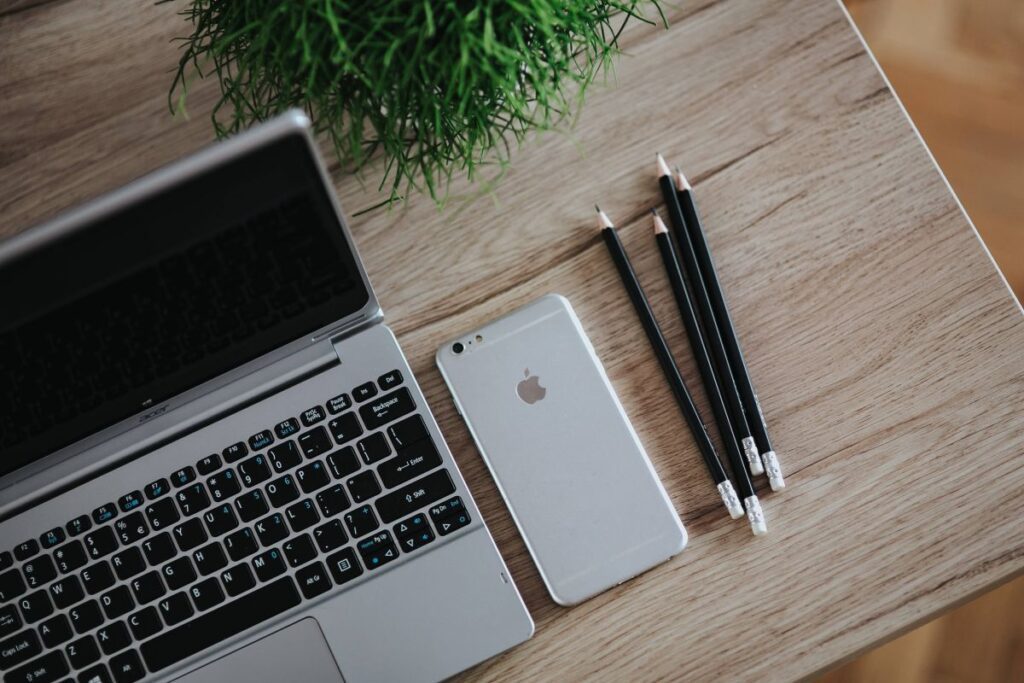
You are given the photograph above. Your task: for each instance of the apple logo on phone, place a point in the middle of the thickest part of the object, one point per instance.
(529, 389)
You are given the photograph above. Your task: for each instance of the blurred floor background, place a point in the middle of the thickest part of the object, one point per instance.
(958, 67)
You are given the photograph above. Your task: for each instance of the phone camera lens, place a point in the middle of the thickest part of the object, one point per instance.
(457, 347)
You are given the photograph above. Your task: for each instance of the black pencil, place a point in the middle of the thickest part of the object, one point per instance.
(741, 376)
(713, 339)
(700, 353)
(668, 366)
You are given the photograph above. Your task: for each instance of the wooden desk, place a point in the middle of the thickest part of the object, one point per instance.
(888, 352)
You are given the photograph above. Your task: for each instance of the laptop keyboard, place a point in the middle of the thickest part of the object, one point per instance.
(190, 559)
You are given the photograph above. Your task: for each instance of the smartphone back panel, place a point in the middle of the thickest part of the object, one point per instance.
(569, 465)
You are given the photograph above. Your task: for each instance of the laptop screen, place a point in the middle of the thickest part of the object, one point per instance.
(165, 294)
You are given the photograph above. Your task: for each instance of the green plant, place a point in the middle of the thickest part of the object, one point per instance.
(437, 86)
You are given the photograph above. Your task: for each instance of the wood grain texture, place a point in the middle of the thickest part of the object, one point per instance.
(886, 348)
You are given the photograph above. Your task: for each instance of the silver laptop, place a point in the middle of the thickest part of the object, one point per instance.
(215, 462)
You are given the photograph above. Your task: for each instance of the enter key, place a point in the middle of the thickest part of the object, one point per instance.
(410, 463)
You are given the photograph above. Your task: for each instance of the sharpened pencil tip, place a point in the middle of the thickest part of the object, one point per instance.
(682, 184)
(602, 219)
(659, 225)
(663, 169)
(597, 208)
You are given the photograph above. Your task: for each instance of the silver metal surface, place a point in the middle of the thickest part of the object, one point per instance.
(774, 470)
(730, 499)
(570, 467)
(752, 456)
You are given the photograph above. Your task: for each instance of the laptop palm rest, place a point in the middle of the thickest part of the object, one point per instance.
(295, 653)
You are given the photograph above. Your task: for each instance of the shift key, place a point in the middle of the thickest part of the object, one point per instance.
(411, 497)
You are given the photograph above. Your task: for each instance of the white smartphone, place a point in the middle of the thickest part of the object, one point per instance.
(582, 491)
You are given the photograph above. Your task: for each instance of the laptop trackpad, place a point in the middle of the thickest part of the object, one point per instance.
(295, 653)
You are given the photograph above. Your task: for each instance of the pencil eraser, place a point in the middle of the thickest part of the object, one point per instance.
(752, 456)
(731, 500)
(771, 466)
(755, 515)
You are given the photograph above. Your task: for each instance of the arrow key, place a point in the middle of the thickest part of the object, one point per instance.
(377, 550)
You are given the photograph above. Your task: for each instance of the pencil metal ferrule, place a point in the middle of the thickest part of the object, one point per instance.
(731, 500)
(774, 470)
(755, 515)
(752, 456)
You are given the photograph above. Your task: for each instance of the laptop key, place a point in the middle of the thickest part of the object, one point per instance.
(86, 616)
(410, 463)
(11, 585)
(299, 550)
(373, 448)
(312, 477)
(155, 489)
(286, 428)
(19, 648)
(407, 499)
(313, 580)
(52, 538)
(190, 534)
(282, 491)
(209, 464)
(343, 462)
(97, 577)
(145, 623)
(175, 609)
(330, 536)
(271, 529)
(363, 486)
(315, 442)
(55, 631)
(377, 550)
(178, 573)
(254, 470)
(159, 548)
(100, 542)
(113, 637)
(207, 594)
(220, 519)
(361, 521)
(364, 392)
(339, 403)
(26, 549)
(6, 560)
(237, 579)
(79, 525)
(389, 380)
(209, 559)
(251, 505)
(193, 499)
(39, 571)
(35, 606)
(9, 620)
(344, 428)
(235, 452)
(70, 556)
(117, 602)
(241, 544)
(45, 669)
(186, 475)
(82, 652)
(131, 527)
(387, 408)
(162, 513)
(344, 566)
(268, 564)
(332, 501)
(311, 416)
(223, 485)
(127, 667)
(66, 592)
(217, 625)
(284, 456)
(130, 501)
(147, 587)
(128, 563)
(407, 432)
(261, 440)
(302, 515)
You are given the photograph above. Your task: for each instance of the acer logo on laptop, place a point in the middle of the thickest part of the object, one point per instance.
(153, 413)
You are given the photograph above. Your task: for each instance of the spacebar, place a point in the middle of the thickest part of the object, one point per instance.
(222, 623)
